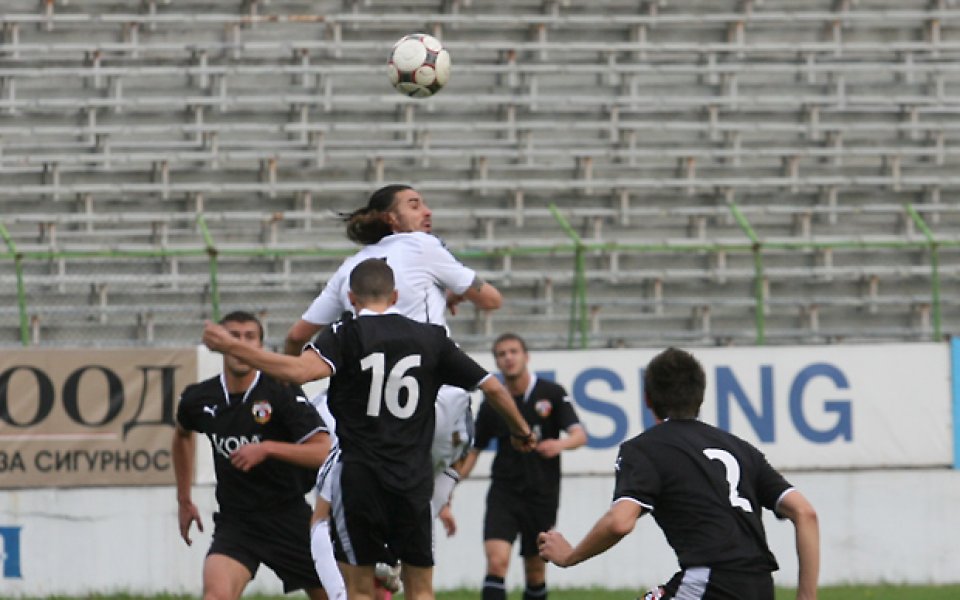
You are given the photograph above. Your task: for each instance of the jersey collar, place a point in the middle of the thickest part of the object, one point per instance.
(533, 382)
(226, 394)
(366, 312)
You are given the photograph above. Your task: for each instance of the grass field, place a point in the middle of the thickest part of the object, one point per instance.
(883, 592)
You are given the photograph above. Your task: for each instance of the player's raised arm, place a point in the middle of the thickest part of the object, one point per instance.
(483, 295)
(299, 369)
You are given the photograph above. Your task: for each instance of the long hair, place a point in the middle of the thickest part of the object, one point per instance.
(368, 225)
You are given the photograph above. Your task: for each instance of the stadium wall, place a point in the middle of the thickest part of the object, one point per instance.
(865, 431)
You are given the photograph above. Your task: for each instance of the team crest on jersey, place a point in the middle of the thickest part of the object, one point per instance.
(262, 411)
(543, 408)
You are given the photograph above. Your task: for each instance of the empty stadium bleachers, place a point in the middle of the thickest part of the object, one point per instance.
(733, 171)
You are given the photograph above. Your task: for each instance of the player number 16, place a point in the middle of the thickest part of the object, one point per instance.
(396, 380)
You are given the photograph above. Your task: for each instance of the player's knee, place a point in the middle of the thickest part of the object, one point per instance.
(497, 566)
(221, 588)
(498, 557)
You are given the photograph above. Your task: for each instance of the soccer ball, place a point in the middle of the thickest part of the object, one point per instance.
(418, 65)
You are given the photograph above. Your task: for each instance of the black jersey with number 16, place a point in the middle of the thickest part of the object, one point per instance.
(387, 370)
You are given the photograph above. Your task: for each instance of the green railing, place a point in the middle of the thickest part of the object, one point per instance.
(579, 318)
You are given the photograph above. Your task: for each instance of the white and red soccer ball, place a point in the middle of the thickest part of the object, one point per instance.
(419, 66)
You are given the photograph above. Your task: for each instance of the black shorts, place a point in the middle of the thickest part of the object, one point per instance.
(704, 583)
(279, 539)
(511, 513)
(373, 524)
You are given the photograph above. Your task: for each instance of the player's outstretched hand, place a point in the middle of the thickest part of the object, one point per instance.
(216, 337)
(554, 548)
(187, 513)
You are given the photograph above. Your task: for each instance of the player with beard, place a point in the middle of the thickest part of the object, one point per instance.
(396, 225)
(386, 371)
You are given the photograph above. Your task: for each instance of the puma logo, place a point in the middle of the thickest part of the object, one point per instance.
(212, 410)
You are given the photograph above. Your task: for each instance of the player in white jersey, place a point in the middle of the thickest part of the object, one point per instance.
(428, 271)
(396, 226)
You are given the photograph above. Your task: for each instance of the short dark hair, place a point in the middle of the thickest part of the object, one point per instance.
(242, 316)
(367, 225)
(372, 279)
(506, 337)
(674, 383)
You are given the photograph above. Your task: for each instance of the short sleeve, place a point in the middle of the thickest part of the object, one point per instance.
(457, 368)
(327, 345)
(770, 484)
(636, 477)
(566, 415)
(328, 306)
(448, 271)
(185, 416)
(299, 416)
(485, 428)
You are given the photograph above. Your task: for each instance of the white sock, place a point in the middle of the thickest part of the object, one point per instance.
(323, 561)
(443, 485)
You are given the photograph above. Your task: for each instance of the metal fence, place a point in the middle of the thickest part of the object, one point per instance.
(200, 294)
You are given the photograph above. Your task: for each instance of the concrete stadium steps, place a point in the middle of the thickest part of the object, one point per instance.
(644, 123)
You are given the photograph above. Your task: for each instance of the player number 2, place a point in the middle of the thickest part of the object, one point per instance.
(732, 469)
(396, 380)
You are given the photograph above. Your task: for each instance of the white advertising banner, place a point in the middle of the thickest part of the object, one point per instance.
(849, 408)
(805, 407)
(810, 407)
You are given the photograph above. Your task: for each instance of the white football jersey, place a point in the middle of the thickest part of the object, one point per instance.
(423, 269)
(453, 433)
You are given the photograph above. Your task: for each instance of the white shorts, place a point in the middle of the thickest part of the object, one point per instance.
(325, 475)
(454, 431)
(319, 402)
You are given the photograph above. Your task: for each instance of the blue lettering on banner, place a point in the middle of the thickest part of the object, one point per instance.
(10, 552)
(759, 412)
(597, 406)
(842, 408)
(728, 385)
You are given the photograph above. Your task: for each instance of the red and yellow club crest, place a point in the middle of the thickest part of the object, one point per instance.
(262, 411)
(543, 408)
